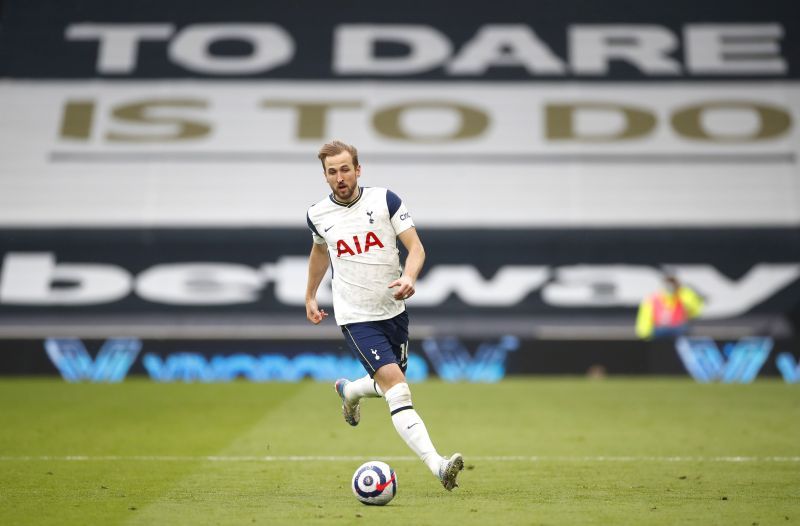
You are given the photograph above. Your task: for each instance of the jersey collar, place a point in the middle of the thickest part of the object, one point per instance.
(351, 203)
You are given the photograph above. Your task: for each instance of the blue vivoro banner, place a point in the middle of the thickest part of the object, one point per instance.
(447, 357)
(733, 362)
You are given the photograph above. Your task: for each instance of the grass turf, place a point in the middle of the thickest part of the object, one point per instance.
(614, 451)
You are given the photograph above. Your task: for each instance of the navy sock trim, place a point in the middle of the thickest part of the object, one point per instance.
(402, 409)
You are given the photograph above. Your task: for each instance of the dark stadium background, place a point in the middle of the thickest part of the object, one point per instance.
(71, 195)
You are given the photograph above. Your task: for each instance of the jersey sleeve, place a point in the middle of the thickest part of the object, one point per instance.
(398, 213)
(644, 319)
(692, 302)
(318, 239)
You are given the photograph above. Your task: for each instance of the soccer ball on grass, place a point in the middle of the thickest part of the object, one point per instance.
(374, 483)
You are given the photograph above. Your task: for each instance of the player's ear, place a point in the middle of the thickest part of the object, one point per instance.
(358, 171)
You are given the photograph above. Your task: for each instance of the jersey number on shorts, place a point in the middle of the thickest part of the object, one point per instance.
(404, 355)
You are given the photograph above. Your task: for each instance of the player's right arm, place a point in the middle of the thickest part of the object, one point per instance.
(644, 319)
(317, 266)
(692, 302)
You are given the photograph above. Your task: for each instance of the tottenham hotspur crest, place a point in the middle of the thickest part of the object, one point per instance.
(370, 217)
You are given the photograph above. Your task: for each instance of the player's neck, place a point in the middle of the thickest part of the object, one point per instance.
(352, 199)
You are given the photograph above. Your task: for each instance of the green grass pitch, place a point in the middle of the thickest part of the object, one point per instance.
(537, 451)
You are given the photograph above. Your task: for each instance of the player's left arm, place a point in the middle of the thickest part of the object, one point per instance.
(644, 319)
(692, 302)
(416, 258)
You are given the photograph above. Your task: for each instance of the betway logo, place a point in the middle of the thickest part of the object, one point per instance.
(36, 278)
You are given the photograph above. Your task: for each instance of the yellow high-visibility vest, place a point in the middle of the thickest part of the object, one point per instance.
(663, 309)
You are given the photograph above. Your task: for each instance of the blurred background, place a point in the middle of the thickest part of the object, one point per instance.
(157, 159)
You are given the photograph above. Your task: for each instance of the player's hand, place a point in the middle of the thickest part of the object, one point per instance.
(405, 288)
(314, 313)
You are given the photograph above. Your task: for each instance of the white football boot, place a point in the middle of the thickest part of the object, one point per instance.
(350, 412)
(449, 469)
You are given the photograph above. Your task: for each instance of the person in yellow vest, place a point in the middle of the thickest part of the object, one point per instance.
(667, 312)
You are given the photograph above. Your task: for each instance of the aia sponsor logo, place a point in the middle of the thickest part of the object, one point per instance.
(370, 240)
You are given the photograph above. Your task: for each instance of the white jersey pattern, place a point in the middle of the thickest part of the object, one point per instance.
(362, 245)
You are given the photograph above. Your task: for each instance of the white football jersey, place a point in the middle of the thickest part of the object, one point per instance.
(362, 245)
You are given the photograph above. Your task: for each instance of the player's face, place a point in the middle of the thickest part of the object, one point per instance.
(342, 176)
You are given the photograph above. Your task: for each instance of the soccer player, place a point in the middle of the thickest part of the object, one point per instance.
(355, 229)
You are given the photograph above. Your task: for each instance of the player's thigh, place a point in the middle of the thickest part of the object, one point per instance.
(388, 376)
(370, 344)
(397, 331)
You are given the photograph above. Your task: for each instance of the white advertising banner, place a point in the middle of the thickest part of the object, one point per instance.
(500, 154)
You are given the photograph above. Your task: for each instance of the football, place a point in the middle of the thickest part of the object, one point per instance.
(374, 483)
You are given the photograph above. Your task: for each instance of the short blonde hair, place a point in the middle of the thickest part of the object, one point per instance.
(336, 147)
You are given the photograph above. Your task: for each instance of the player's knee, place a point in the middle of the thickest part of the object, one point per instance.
(388, 376)
(399, 397)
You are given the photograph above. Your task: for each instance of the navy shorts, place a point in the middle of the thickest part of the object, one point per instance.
(378, 343)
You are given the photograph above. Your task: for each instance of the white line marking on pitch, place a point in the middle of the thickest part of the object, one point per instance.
(307, 458)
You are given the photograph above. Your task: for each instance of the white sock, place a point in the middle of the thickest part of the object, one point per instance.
(364, 387)
(411, 427)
